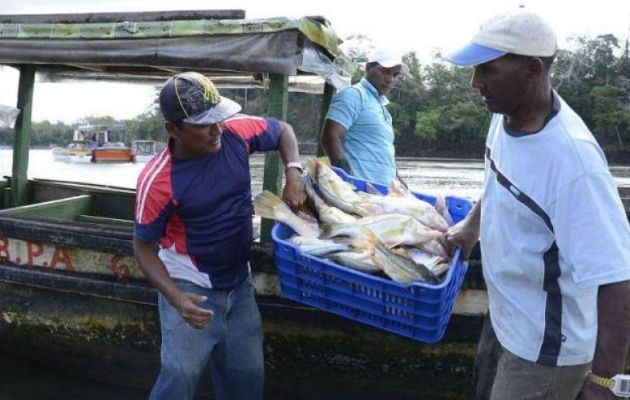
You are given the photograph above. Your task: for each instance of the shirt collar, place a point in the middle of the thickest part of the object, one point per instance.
(366, 84)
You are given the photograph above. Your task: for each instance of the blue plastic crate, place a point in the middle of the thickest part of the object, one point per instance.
(418, 310)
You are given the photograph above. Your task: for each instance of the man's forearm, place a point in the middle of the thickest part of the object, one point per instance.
(343, 164)
(613, 336)
(331, 142)
(287, 144)
(154, 269)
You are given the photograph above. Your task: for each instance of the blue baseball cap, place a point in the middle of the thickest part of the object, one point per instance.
(520, 32)
(192, 98)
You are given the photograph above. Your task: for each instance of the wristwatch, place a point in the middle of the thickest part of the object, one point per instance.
(618, 384)
(294, 164)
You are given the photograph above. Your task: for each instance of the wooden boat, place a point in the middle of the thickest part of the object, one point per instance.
(110, 145)
(75, 151)
(112, 152)
(95, 143)
(71, 293)
(79, 150)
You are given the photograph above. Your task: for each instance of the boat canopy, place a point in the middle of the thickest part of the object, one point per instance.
(148, 46)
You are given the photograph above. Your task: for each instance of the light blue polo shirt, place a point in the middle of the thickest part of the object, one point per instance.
(369, 139)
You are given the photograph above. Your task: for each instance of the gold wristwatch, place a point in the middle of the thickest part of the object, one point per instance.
(618, 384)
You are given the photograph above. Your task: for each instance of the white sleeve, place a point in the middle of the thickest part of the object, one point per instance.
(592, 231)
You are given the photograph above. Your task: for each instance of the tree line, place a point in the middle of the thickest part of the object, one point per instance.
(434, 109)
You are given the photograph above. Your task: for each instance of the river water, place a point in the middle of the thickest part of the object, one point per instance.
(462, 178)
(24, 380)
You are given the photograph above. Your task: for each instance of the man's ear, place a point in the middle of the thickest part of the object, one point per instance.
(535, 66)
(172, 129)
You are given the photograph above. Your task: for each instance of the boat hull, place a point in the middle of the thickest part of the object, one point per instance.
(308, 354)
(72, 155)
(74, 298)
(106, 155)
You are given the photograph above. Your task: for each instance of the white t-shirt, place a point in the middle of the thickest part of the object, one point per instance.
(552, 230)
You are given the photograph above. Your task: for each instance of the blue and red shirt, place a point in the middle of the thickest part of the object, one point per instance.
(200, 210)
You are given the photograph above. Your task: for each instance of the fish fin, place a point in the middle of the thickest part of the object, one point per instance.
(369, 188)
(396, 188)
(326, 228)
(324, 160)
(310, 166)
(441, 206)
(307, 217)
(268, 205)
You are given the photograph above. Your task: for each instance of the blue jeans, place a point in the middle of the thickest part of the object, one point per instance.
(231, 343)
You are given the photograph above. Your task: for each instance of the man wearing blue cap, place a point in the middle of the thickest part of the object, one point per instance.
(193, 234)
(555, 239)
(358, 134)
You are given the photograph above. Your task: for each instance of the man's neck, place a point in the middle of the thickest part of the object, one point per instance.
(532, 115)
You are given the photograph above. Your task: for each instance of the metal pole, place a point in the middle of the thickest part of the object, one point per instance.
(19, 183)
(272, 180)
(329, 92)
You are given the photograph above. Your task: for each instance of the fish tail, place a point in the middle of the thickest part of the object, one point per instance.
(268, 205)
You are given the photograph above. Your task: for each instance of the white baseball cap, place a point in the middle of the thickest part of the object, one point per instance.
(388, 59)
(520, 32)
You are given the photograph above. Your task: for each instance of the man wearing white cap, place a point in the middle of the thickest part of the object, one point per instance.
(555, 239)
(358, 134)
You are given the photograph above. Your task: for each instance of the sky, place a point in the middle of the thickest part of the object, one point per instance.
(422, 26)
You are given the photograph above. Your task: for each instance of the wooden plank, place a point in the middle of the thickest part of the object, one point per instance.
(329, 92)
(94, 219)
(272, 181)
(19, 183)
(82, 18)
(56, 209)
(111, 239)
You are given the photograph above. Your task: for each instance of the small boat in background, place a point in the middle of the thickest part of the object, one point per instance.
(145, 150)
(75, 151)
(95, 143)
(80, 148)
(112, 152)
(111, 145)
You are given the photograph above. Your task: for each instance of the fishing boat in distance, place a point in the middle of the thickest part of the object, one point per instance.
(79, 149)
(95, 143)
(111, 145)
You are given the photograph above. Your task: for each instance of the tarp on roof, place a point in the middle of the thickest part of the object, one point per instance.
(275, 45)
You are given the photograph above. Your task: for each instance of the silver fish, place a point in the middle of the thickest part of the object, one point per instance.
(317, 247)
(390, 229)
(326, 213)
(270, 206)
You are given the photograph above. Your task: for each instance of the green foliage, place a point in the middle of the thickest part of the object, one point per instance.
(433, 106)
(612, 121)
(428, 124)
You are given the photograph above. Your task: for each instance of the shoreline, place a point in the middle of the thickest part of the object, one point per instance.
(615, 157)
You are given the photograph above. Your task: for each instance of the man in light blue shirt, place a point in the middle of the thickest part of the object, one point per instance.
(358, 134)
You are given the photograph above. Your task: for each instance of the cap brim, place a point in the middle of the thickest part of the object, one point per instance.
(474, 54)
(220, 112)
(392, 63)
